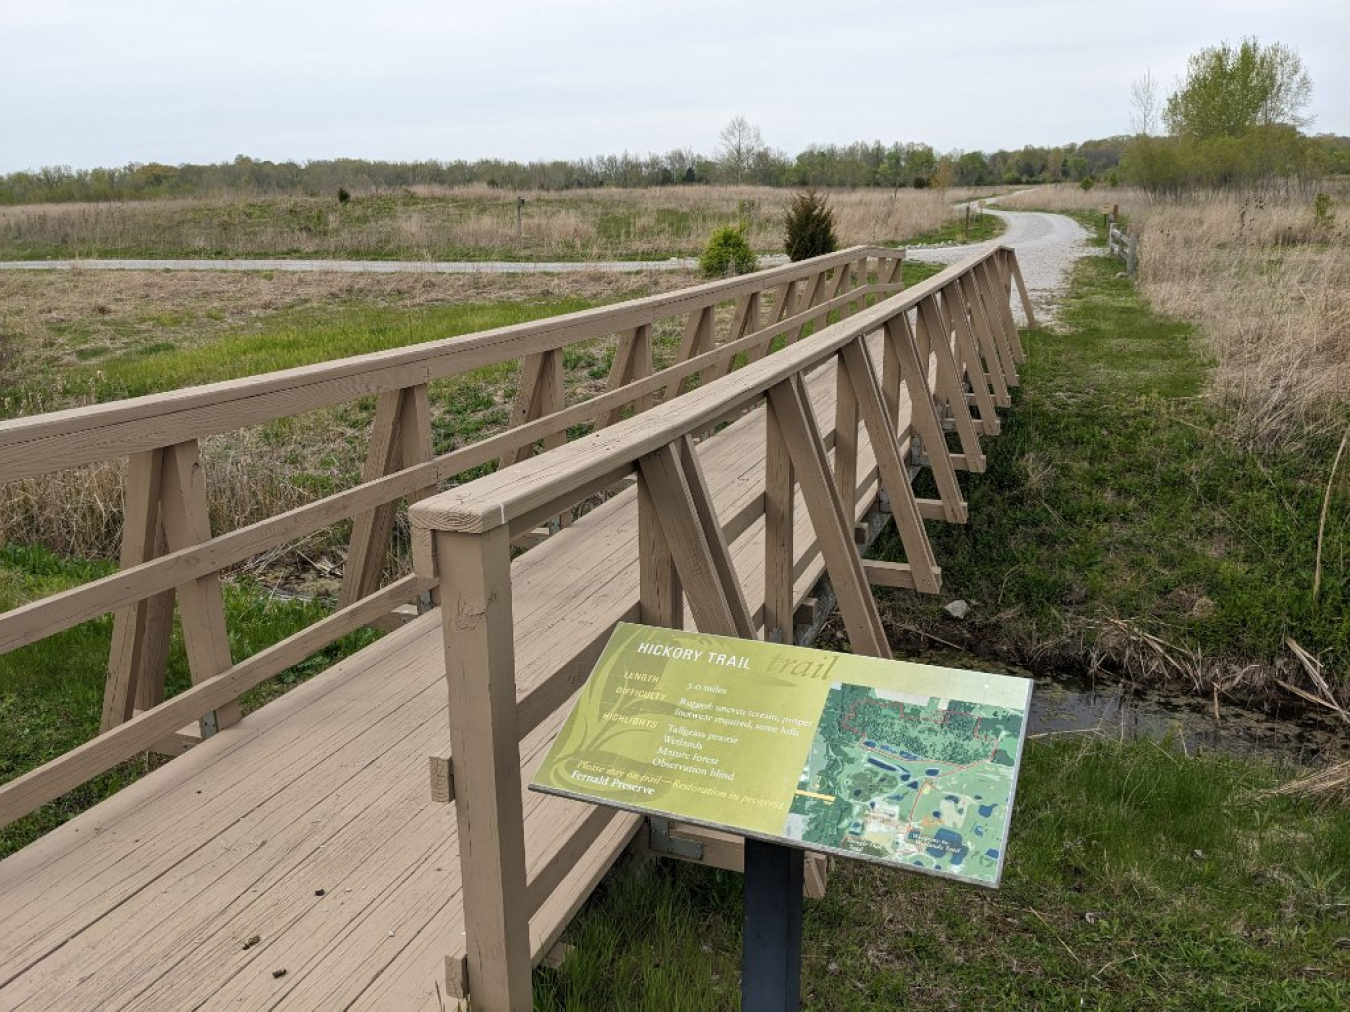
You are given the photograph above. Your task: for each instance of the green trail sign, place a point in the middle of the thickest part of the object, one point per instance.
(905, 764)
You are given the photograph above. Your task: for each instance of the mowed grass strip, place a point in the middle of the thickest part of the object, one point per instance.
(1115, 502)
(295, 338)
(1136, 878)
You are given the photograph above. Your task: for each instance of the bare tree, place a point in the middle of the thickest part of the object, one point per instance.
(740, 143)
(1144, 104)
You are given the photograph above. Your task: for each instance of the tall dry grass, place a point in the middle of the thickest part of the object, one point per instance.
(470, 223)
(1267, 281)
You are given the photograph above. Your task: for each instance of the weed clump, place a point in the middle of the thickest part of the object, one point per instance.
(809, 224)
(727, 253)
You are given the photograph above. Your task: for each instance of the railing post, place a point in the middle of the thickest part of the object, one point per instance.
(141, 632)
(400, 437)
(201, 609)
(475, 578)
(845, 438)
(632, 362)
(539, 392)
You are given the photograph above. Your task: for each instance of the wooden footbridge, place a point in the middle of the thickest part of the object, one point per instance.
(382, 854)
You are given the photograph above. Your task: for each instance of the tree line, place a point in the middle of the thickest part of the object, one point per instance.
(860, 164)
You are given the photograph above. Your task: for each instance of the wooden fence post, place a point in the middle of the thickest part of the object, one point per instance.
(475, 575)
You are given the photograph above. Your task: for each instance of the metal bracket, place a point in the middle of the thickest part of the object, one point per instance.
(660, 840)
(209, 724)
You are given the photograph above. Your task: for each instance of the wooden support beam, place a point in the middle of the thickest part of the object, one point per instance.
(661, 598)
(990, 298)
(400, 438)
(539, 393)
(949, 385)
(632, 362)
(997, 296)
(898, 575)
(480, 673)
(697, 339)
(1009, 258)
(779, 483)
(845, 438)
(976, 337)
(926, 576)
(995, 349)
(970, 367)
(924, 418)
(817, 296)
(695, 540)
(792, 408)
(201, 609)
(140, 639)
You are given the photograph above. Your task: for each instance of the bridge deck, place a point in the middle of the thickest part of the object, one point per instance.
(148, 900)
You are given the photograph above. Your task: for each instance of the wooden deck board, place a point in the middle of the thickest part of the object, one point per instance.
(146, 900)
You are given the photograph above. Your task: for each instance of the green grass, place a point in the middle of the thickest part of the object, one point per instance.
(289, 339)
(982, 228)
(51, 693)
(1113, 494)
(1136, 879)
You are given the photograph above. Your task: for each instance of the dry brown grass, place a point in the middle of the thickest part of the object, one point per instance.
(252, 473)
(472, 223)
(1268, 284)
(53, 321)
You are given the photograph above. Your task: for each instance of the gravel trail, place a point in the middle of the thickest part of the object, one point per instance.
(1046, 244)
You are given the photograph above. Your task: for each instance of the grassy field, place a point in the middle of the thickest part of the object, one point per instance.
(469, 224)
(1137, 878)
(1122, 525)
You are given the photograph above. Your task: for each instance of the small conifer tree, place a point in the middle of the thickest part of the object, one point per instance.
(809, 222)
(727, 253)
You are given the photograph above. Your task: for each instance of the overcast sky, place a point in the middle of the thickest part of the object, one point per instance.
(102, 83)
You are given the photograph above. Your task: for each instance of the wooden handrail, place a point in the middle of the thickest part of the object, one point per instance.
(39, 619)
(500, 498)
(78, 436)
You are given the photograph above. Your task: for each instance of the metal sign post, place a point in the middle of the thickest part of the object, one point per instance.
(771, 957)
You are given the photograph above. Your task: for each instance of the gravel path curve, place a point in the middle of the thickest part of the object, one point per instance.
(1047, 246)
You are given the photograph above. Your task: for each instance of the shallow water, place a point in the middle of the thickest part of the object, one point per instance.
(1295, 734)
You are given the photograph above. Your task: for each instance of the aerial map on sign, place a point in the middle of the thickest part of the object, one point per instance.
(910, 778)
(889, 761)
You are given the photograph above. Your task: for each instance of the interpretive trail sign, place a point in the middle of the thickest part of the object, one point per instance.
(889, 761)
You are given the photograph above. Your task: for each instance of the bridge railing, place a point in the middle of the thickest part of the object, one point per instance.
(170, 554)
(905, 370)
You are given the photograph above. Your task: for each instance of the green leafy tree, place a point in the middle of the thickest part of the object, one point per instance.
(809, 223)
(1229, 91)
(727, 253)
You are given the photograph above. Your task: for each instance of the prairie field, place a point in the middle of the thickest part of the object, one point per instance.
(1266, 276)
(476, 223)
